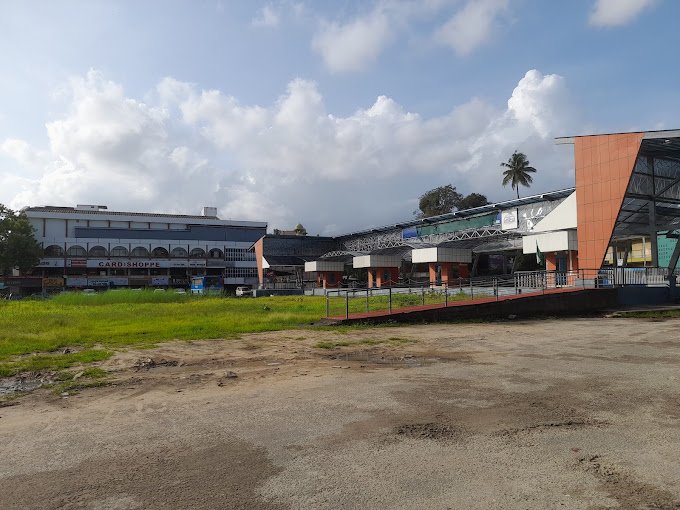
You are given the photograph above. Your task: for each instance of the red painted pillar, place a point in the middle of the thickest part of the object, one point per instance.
(550, 262)
(432, 266)
(371, 283)
(319, 280)
(379, 276)
(463, 270)
(447, 272)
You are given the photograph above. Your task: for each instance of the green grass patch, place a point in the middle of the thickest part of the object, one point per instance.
(42, 362)
(123, 318)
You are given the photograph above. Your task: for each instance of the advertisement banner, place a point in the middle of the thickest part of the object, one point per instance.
(160, 280)
(76, 281)
(509, 219)
(108, 281)
(51, 283)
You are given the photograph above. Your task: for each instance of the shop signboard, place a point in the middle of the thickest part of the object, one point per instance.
(143, 263)
(51, 263)
(51, 283)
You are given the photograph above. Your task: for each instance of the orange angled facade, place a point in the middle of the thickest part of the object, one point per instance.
(603, 166)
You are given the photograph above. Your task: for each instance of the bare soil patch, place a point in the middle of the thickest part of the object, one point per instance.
(577, 413)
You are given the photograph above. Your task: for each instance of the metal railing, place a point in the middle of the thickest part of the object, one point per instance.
(351, 301)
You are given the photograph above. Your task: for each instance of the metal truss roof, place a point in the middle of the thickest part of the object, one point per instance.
(653, 193)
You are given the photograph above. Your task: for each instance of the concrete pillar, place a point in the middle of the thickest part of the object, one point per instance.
(573, 260)
(550, 261)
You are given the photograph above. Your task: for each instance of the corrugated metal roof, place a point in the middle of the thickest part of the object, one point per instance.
(466, 213)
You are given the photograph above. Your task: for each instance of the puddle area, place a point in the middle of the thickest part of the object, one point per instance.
(378, 359)
(12, 385)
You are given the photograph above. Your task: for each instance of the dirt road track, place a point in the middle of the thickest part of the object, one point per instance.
(577, 414)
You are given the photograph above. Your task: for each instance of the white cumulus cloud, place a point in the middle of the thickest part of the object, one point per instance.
(610, 13)
(354, 45)
(287, 162)
(471, 26)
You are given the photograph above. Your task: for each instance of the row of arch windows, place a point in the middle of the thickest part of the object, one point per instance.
(139, 251)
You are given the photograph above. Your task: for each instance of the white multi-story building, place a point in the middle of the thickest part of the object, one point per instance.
(88, 245)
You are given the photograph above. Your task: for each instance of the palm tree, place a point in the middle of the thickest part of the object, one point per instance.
(518, 171)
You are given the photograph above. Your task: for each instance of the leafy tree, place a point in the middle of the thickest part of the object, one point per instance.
(18, 247)
(300, 230)
(472, 200)
(438, 201)
(518, 171)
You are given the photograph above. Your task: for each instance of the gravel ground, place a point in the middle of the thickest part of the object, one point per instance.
(577, 414)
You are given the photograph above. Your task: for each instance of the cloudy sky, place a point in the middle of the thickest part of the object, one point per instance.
(337, 114)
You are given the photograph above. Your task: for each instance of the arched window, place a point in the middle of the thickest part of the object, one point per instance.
(76, 251)
(139, 251)
(179, 253)
(54, 251)
(97, 251)
(119, 251)
(216, 253)
(197, 253)
(160, 252)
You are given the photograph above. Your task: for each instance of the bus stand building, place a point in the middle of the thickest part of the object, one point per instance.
(623, 212)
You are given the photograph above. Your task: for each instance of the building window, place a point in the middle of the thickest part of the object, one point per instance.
(179, 253)
(139, 251)
(97, 251)
(54, 251)
(238, 254)
(197, 253)
(160, 252)
(240, 272)
(216, 253)
(119, 251)
(76, 251)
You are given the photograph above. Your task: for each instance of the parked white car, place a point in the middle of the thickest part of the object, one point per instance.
(243, 291)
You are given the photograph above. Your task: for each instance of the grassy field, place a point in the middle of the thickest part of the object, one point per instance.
(92, 325)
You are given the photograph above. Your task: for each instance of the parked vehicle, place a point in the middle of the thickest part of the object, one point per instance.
(243, 291)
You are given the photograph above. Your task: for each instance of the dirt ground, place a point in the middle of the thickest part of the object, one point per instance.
(575, 414)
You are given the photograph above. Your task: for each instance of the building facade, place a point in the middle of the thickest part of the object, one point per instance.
(90, 246)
